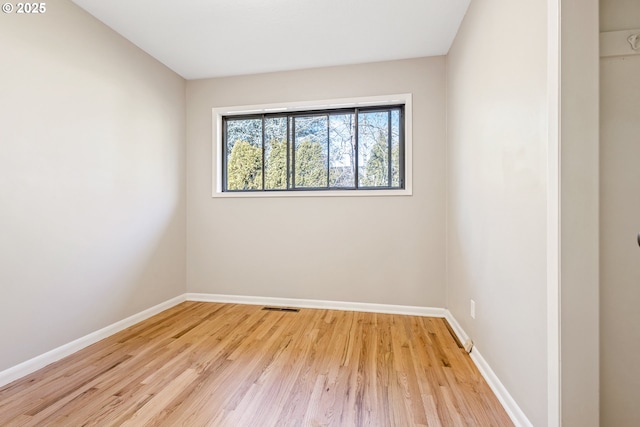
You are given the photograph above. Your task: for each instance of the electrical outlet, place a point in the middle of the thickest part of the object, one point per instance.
(473, 309)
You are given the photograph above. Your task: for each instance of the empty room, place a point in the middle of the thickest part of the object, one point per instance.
(319, 213)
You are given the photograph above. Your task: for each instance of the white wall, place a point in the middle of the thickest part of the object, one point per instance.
(497, 177)
(366, 249)
(619, 223)
(92, 222)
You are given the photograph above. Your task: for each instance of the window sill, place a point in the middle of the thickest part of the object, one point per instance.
(319, 193)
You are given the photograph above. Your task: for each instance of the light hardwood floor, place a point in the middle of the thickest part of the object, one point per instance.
(207, 364)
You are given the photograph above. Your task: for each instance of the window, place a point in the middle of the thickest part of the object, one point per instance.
(348, 148)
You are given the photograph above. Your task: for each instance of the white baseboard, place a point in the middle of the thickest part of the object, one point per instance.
(513, 410)
(510, 406)
(408, 310)
(39, 362)
(460, 333)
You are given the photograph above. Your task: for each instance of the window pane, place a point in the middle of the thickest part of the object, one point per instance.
(342, 161)
(315, 150)
(395, 148)
(373, 149)
(275, 153)
(311, 144)
(244, 154)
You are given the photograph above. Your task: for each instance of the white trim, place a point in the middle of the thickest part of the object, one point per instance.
(404, 98)
(39, 362)
(554, 395)
(616, 43)
(516, 414)
(318, 193)
(460, 333)
(407, 310)
(513, 410)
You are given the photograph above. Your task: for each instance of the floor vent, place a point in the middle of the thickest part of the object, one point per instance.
(289, 309)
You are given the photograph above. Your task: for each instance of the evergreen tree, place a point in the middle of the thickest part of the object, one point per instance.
(311, 165)
(244, 171)
(276, 166)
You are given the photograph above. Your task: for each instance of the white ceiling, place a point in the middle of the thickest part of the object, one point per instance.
(213, 38)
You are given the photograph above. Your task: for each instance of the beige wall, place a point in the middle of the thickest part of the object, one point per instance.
(366, 249)
(616, 15)
(496, 170)
(92, 222)
(619, 223)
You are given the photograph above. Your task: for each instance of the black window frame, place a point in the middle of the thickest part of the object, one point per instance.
(290, 148)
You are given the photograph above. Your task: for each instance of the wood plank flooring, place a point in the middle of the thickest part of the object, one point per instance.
(207, 364)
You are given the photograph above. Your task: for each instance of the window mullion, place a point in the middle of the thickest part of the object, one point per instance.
(224, 155)
(264, 148)
(328, 154)
(389, 163)
(357, 146)
(288, 139)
